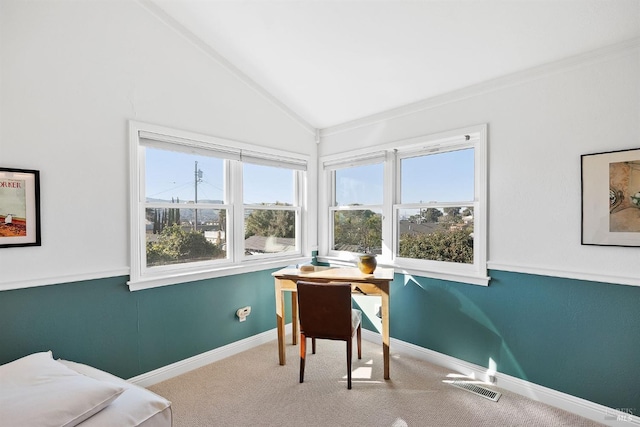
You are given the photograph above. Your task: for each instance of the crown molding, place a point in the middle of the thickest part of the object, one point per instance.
(587, 58)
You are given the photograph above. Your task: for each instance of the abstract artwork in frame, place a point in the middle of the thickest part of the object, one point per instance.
(19, 207)
(612, 220)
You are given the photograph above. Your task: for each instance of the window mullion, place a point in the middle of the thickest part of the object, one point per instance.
(328, 221)
(301, 215)
(139, 258)
(390, 191)
(236, 200)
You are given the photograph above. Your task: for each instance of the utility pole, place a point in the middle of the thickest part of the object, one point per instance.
(198, 178)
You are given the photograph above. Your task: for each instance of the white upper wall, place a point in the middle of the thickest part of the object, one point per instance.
(540, 123)
(72, 74)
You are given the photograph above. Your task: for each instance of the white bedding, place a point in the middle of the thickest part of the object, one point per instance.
(38, 391)
(136, 406)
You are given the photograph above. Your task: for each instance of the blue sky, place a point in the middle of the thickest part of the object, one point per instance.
(440, 177)
(444, 177)
(172, 174)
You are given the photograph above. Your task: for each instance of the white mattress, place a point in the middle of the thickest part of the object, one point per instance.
(136, 406)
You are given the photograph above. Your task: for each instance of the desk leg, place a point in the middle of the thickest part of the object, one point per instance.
(385, 329)
(280, 321)
(294, 318)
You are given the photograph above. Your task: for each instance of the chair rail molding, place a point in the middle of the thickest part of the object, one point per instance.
(567, 274)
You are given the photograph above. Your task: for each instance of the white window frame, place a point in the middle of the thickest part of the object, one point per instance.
(331, 166)
(296, 208)
(234, 153)
(471, 137)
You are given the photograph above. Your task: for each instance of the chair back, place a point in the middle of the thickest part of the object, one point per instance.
(325, 310)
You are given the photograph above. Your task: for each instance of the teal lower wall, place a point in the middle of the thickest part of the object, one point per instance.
(578, 337)
(103, 324)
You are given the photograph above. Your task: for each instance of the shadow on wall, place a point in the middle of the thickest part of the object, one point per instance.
(442, 319)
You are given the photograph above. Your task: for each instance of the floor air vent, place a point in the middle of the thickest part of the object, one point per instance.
(476, 389)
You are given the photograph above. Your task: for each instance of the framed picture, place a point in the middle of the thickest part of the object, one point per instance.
(613, 220)
(19, 207)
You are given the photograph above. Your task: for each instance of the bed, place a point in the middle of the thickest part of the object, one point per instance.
(38, 390)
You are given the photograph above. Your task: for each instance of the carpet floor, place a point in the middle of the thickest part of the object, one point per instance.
(252, 389)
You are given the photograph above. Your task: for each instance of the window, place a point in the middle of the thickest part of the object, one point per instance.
(184, 208)
(204, 207)
(356, 211)
(420, 205)
(271, 212)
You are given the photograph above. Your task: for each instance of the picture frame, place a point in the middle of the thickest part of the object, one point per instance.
(19, 207)
(616, 222)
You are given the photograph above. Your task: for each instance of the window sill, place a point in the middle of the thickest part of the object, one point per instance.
(193, 276)
(471, 279)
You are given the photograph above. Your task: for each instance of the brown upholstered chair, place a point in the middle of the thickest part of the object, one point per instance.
(325, 312)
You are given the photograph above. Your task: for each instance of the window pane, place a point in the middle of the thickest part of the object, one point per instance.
(268, 231)
(357, 231)
(267, 185)
(442, 177)
(183, 177)
(436, 234)
(173, 238)
(361, 185)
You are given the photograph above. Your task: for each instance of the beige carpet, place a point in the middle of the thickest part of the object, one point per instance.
(251, 389)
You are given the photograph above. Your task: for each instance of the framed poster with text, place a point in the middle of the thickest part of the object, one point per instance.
(19, 207)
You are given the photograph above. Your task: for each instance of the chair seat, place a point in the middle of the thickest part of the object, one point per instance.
(356, 318)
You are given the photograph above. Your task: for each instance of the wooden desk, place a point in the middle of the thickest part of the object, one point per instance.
(366, 284)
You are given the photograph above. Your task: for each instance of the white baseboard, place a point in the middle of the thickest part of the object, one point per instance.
(203, 359)
(576, 405)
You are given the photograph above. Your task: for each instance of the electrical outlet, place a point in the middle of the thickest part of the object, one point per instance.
(243, 312)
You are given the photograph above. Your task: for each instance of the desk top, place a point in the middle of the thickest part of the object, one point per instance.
(351, 274)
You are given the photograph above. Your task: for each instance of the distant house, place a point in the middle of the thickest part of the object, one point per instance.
(215, 236)
(269, 244)
(413, 228)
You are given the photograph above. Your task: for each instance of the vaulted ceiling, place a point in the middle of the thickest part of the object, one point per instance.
(332, 61)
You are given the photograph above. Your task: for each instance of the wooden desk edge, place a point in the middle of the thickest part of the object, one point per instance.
(380, 275)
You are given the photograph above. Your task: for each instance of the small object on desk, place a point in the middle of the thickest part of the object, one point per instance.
(367, 263)
(307, 268)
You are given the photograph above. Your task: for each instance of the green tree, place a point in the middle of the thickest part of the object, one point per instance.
(271, 222)
(175, 245)
(358, 228)
(443, 245)
(453, 215)
(431, 214)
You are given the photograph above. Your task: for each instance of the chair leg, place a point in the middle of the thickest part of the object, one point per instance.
(359, 338)
(303, 354)
(349, 351)
(313, 345)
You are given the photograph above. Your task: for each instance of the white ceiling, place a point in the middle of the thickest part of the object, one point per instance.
(336, 61)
